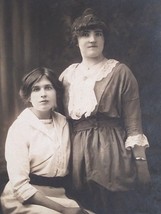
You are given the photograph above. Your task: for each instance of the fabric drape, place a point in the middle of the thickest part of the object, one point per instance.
(17, 53)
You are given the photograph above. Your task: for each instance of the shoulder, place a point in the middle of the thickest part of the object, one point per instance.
(115, 66)
(68, 72)
(21, 125)
(19, 128)
(126, 79)
(18, 133)
(123, 71)
(122, 67)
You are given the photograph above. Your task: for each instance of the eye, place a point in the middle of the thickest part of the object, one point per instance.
(48, 87)
(99, 33)
(35, 88)
(84, 34)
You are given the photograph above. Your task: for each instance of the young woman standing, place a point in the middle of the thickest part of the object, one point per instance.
(102, 103)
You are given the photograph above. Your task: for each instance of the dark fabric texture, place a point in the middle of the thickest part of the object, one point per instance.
(98, 142)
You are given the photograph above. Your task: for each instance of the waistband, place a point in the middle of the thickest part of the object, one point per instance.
(49, 181)
(95, 122)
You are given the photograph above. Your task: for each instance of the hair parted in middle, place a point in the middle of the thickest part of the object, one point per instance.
(34, 76)
(89, 20)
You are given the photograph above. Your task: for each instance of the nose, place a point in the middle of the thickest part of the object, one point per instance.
(92, 37)
(43, 93)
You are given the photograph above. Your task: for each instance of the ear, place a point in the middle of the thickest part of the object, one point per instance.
(29, 100)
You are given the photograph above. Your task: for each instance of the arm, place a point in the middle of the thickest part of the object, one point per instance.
(131, 112)
(18, 167)
(135, 141)
(39, 199)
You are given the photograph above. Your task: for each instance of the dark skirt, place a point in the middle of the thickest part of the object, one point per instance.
(99, 154)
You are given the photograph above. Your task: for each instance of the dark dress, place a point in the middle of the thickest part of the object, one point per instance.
(99, 149)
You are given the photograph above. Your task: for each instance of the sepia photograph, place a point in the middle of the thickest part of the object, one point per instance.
(80, 106)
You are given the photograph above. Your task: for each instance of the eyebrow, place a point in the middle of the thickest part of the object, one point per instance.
(42, 85)
(96, 30)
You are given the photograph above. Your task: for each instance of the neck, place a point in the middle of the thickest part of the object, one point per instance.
(89, 62)
(41, 115)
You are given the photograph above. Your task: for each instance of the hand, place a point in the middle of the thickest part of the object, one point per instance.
(143, 176)
(74, 210)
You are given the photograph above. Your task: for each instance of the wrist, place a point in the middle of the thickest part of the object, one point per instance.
(139, 152)
(140, 158)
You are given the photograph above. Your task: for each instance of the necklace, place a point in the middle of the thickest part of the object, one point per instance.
(85, 65)
(86, 72)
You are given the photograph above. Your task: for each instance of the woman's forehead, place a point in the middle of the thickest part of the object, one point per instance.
(42, 80)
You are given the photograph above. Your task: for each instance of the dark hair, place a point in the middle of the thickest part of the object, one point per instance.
(33, 77)
(89, 20)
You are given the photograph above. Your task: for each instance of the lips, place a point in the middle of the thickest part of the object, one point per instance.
(94, 46)
(44, 101)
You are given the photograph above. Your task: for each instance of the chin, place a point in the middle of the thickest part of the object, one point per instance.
(94, 55)
(45, 109)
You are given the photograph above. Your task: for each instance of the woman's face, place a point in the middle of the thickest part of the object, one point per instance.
(91, 43)
(43, 98)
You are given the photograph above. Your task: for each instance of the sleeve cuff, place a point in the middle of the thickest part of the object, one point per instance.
(139, 140)
(25, 193)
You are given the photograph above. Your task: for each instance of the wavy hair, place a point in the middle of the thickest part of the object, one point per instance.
(89, 20)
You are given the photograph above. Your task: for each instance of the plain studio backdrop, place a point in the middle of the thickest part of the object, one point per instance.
(37, 33)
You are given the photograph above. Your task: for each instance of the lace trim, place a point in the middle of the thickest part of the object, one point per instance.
(107, 68)
(81, 88)
(140, 140)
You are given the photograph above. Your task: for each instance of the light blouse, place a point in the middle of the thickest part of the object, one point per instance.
(38, 148)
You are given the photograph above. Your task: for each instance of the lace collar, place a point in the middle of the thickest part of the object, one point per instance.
(82, 99)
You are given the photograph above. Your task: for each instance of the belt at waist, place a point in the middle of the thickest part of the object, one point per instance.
(95, 122)
(49, 181)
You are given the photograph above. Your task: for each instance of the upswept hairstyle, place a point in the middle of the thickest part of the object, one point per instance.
(87, 21)
(33, 77)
